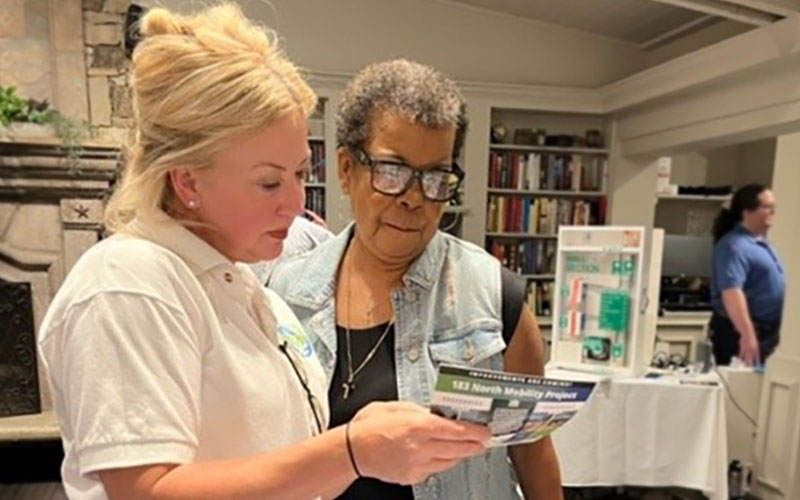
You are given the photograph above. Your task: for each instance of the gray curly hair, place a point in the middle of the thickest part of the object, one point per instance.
(422, 93)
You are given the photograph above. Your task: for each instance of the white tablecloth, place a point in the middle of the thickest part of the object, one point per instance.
(647, 432)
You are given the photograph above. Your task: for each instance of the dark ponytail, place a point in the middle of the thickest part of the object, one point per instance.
(745, 198)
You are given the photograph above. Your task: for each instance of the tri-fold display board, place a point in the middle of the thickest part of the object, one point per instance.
(600, 308)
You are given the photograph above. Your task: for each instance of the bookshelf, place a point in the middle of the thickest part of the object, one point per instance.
(521, 236)
(452, 221)
(693, 197)
(545, 192)
(317, 174)
(550, 149)
(532, 189)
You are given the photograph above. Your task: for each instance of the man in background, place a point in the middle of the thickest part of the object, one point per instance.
(747, 282)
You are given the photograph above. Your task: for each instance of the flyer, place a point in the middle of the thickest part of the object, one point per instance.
(517, 408)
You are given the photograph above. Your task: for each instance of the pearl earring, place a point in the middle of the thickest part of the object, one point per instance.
(192, 204)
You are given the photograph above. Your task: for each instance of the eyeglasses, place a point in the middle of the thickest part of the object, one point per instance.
(393, 177)
(302, 376)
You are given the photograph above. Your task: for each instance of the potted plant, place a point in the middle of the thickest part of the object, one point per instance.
(22, 118)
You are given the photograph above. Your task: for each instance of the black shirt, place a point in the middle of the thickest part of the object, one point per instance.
(378, 380)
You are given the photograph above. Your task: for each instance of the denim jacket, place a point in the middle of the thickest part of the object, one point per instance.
(447, 311)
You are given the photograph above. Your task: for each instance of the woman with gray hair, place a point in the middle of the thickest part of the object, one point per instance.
(391, 297)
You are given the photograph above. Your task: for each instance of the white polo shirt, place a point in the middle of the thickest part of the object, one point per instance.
(160, 350)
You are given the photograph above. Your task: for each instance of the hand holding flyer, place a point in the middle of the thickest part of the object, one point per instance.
(517, 408)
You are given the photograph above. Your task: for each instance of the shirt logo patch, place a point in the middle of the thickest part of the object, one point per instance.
(293, 335)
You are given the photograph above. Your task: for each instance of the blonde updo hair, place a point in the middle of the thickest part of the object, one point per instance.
(198, 84)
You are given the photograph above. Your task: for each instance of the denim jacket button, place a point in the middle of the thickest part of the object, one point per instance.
(431, 481)
(413, 353)
(469, 349)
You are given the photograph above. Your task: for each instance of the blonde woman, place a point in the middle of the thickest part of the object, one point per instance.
(175, 375)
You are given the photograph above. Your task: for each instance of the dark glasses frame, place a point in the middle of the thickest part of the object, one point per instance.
(302, 376)
(364, 158)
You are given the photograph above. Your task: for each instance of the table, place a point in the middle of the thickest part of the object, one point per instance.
(647, 432)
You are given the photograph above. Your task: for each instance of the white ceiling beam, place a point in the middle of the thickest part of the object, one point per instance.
(726, 10)
(783, 8)
(756, 47)
(674, 33)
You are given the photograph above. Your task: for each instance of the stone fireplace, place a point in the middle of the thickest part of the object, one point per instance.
(71, 53)
(51, 207)
(19, 379)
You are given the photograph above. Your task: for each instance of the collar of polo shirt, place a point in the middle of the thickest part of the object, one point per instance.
(746, 232)
(169, 233)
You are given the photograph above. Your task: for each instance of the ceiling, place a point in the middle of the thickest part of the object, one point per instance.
(646, 23)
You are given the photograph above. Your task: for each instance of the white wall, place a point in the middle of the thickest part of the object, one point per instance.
(735, 165)
(740, 164)
(778, 432)
(698, 168)
(757, 162)
(632, 184)
(468, 43)
(785, 235)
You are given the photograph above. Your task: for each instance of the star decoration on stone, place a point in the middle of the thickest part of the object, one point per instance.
(82, 211)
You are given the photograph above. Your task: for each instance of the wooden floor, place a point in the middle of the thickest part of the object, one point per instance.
(36, 491)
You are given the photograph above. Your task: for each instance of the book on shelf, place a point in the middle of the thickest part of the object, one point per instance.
(526, 257)
(315, 201)
(554, 172)
(316, 174)
(516, 214)
(540, 297)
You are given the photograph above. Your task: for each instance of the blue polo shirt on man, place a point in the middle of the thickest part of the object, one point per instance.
(743, 260)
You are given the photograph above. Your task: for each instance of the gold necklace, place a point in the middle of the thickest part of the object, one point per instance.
(349, 385)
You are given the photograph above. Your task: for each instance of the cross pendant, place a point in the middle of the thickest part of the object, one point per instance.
(348, 387)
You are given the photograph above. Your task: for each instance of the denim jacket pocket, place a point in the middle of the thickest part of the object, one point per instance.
(474, 348)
